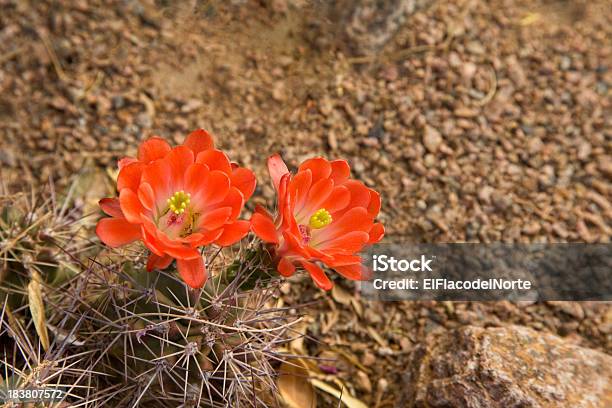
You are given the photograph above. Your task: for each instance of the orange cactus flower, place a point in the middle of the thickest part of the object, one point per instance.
(323, 216)
(176, 200)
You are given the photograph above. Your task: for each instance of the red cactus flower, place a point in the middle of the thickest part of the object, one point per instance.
(176, 200)
(323, 215)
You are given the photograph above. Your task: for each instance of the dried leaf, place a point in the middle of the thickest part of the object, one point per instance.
(341, 296)
(297, 344)
(37, 309)
(351, 358)
(346, 298)
(329, 321)
(112, 173)
(13, 323)
(294, 387)
(374, 334)
(348, 400)
(357, 306)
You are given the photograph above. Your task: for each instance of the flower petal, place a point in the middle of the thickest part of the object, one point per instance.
(264, 228)
(376, 233)
(285, 210)
(125, 161)
(259, 209)
(235, 200)
(214, 219)
(152, 149)
(206, 187)
(192, 271)
(158, 262)
(319, 166)
(180, 158)
(355, 219)
(111, 207)
(294, 244)
(338, 200)
(340, 171)
(131, 206)
(299, 186)
(244, 180)
(342, 260)
(204, 238)
(277, 169)
(285, 267)
(150, 240)
(180, 251)
(318, 194)
(375, 203)
(360, 194)
(199, 140)
(146, 195)
(129, 176)
(115, 232)
(157, 174)
(233, 233)
(215, 160)
(347, 243)
(354, 272)
(196, 180)
(327, 259)
(317, 275)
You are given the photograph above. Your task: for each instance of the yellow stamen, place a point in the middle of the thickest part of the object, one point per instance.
(179, 202)
(320, 219)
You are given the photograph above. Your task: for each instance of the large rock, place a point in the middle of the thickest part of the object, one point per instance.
(506, 367)
(367, 25)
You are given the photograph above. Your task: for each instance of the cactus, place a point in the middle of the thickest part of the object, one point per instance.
(38, 239)
(39, 235)
(161, 343)
(117, 335)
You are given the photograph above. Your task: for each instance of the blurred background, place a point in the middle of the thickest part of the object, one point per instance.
(478, 121)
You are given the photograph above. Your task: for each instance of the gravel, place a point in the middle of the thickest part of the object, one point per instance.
(479, 121)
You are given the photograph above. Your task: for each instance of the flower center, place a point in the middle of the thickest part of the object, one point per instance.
(305, 233)
(179, 202)
(321, 218)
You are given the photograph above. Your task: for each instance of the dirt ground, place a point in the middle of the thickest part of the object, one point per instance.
(480, 121)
